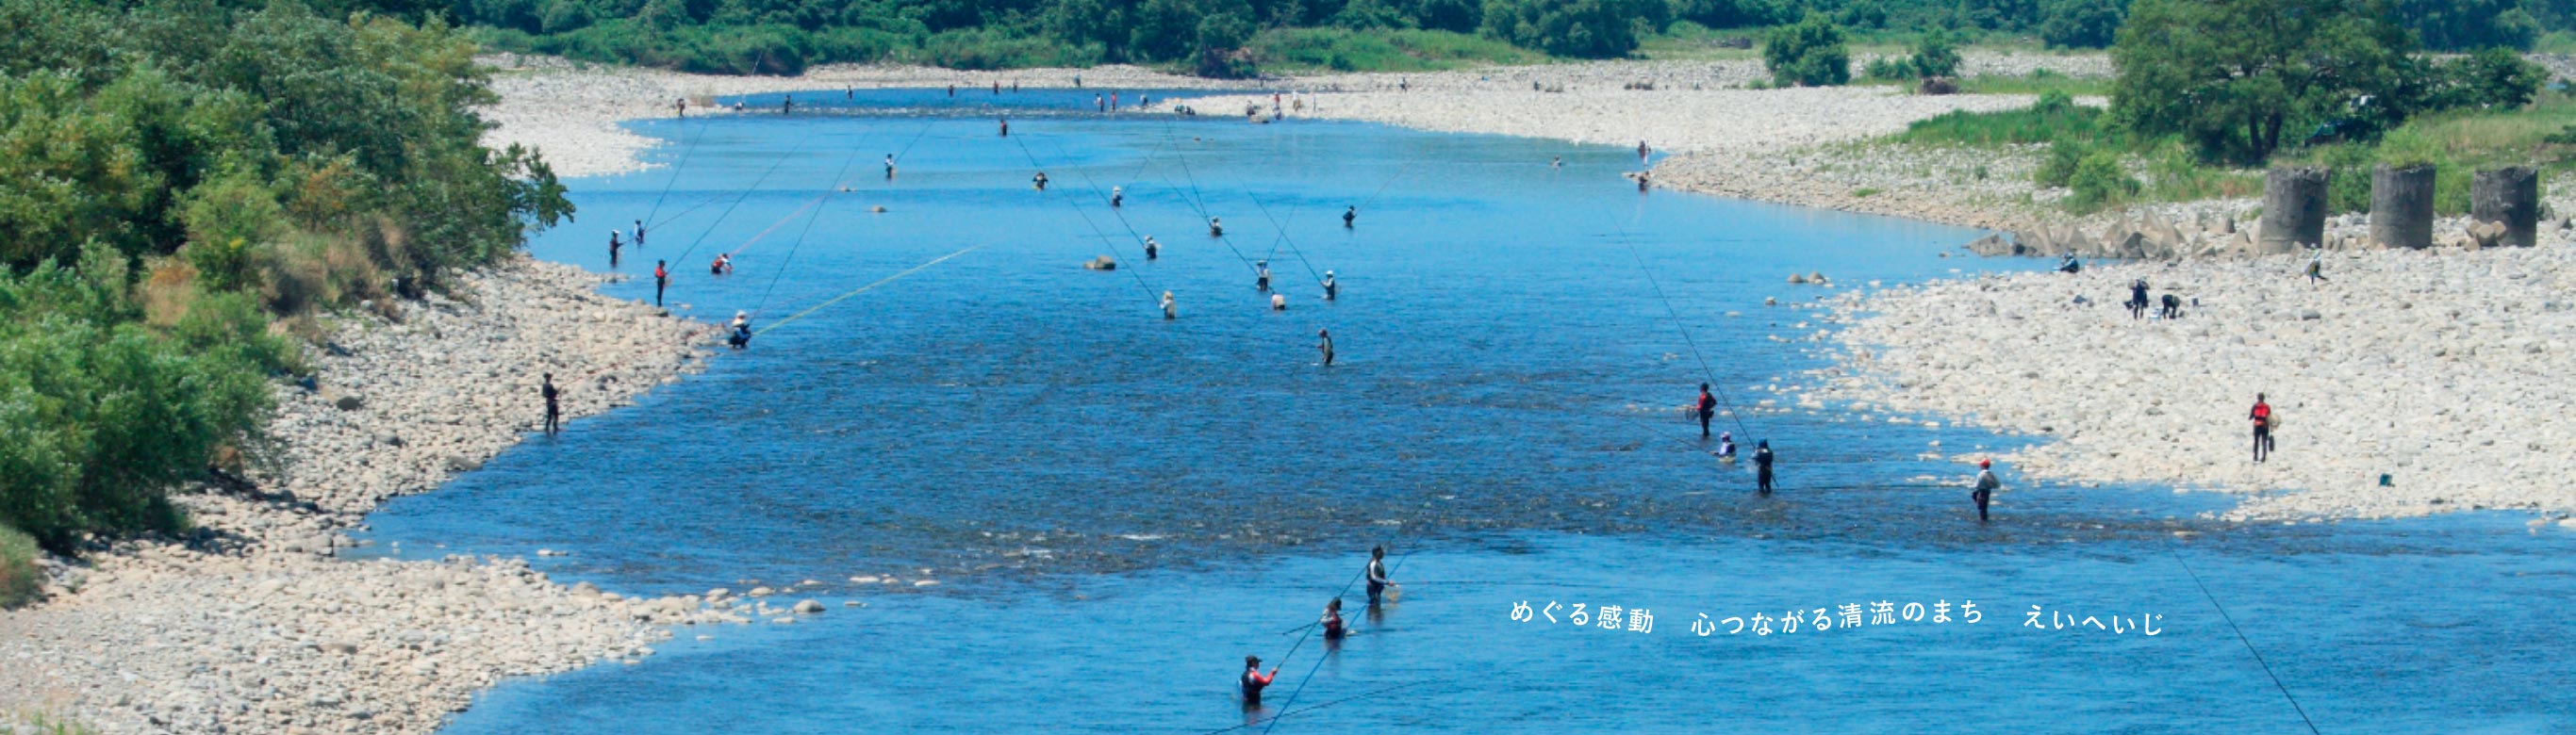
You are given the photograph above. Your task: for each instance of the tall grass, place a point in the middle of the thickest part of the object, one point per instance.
(1380, 50)
(2054, 118)
(2456, 144)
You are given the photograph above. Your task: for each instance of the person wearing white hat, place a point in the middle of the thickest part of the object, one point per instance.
(1331, 289)
(741, 330)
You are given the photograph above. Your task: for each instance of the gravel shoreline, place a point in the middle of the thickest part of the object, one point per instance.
(253, 625)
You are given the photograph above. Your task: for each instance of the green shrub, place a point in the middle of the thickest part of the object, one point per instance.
(2058, 169)
(1889, 68)
(19, 577)
(1380, 50)
(1934, 57)
(2080, 23)
(1807, 54)
(2054, 118)
(2099, 181)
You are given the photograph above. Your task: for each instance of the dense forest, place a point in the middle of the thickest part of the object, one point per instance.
(183, 185)
(1234, 37)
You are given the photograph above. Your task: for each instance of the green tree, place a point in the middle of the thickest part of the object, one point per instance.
(2236, 76)
(2081, 23)
(2464, 25)
(1591, 29)
(1809, 53)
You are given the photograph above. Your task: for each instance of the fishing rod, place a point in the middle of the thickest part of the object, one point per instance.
(864, 289)
(1320, 705)
(800, 234)
(686, 150)
(746, 194)
(1319, 660)
(2240, 638)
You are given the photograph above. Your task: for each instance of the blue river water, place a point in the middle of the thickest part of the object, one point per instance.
(1117, 508)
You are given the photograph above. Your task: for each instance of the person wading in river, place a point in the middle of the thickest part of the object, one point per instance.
(1986, 487)
(1762, 459)
(1377, 581)
(1707, 409)
(554, 409)
(661, 280)
(1326, 346)
(1253, 680)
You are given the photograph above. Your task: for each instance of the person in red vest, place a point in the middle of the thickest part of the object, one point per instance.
(661, 279)
(2262, 416)
(1707, 409)
(1254, 680)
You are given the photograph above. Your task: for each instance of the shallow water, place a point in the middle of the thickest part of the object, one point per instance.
(1118, 507)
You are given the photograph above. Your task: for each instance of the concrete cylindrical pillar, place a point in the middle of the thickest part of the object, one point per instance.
(2294, 209)
(2401, 206)
(2511, 196)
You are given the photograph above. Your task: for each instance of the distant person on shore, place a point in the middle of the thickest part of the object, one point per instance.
(1349, 214)
(1151, 247)
(1762, 459)
(1326, 345)
(1332, 289)
(554, 409)
(682, 105)
(1377, 581)
(613, 245)
(1986, 487)
(2070, 265)
(1253, 680)
(2317, 267)
(1261, 275)
(2173, 307)
(661, 280)
(1707, 408)
(1169, 311)
(2138, 299)
(2262, 417)
(1643, 152)
(1332, 620)
(1726, 447)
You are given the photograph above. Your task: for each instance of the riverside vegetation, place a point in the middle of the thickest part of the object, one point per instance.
(188, 185)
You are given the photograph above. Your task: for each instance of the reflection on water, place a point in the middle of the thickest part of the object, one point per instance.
(1121, 507)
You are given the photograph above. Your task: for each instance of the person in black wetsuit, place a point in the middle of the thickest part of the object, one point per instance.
(1332, 620)
(1326, 346)
(1352, 213)
(1253, 680)
(1986, 487)
(1762, 459)
(1261, 275)
(661, 280)
(554, 410)
(1707, 409)
(1152, 249)
(613, 245)
(2138, 299)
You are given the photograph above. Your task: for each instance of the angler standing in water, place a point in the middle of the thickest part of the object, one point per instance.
(661, 280)
(1762, 459)
(787, 106)
(1332, 620)
(554, 411)
(1117, 196)
(1707, 409)
(1726, 447)
(889, 166)
(1040, 180)
(1216, 227)
(612, 248)
(1332, 290)
(1261, 276)
(1349, 214)
(1006, 127)
(1169, 311)
(1326, 345)
(639, 234)
(1377, 581)
(1986, 487)
(1151, 247)
(1253, 681)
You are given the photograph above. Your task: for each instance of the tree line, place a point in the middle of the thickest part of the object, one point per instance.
(1213, 37)
(183, 185)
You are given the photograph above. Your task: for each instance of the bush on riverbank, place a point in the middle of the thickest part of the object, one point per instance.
(254, 162)
(1397, 50)
(18, 573)
(1808, 54)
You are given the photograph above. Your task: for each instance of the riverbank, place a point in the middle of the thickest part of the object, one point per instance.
(252, 625)
(2441, 371)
